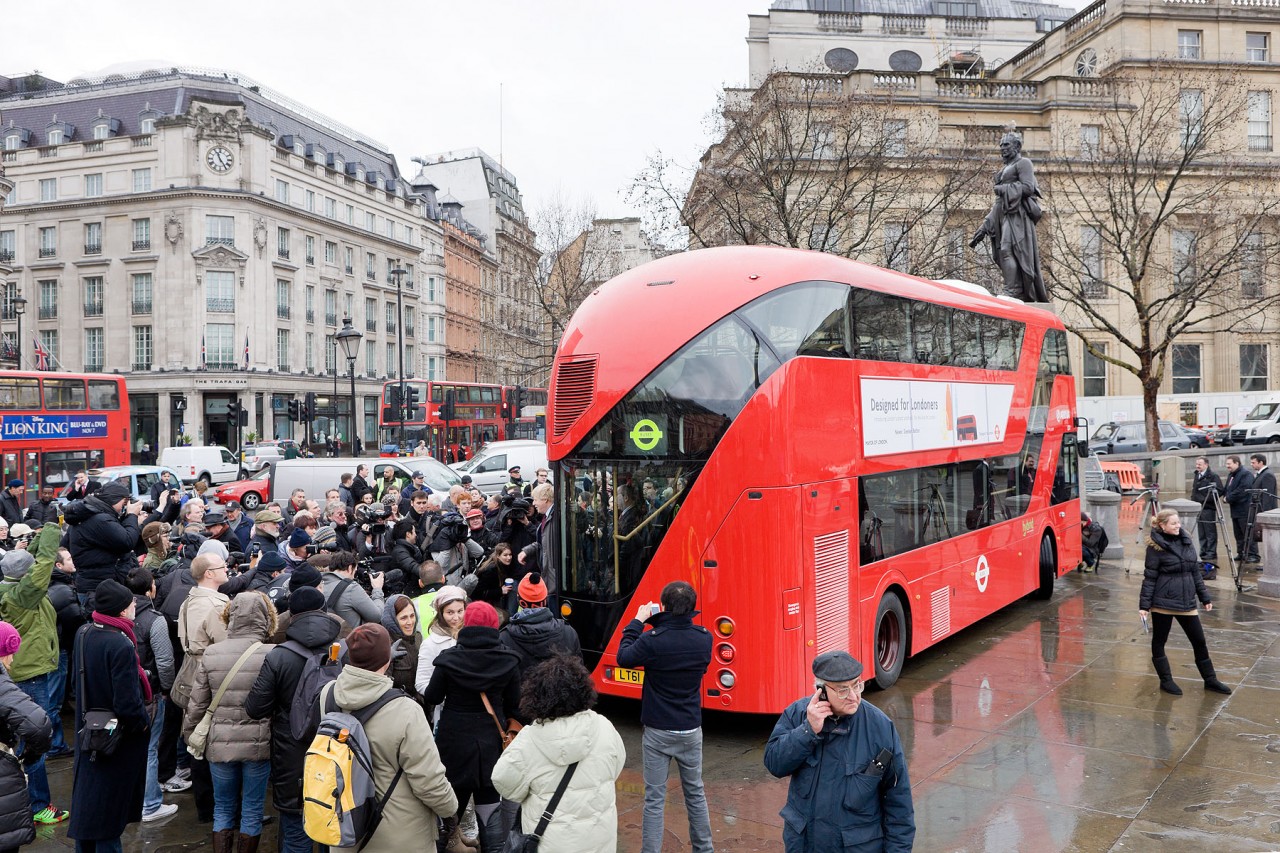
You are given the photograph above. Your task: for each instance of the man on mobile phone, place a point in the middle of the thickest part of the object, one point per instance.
(828, 807)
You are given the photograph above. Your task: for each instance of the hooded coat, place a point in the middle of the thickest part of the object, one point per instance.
(1172, 579)
(20, 717)
(404, 667)
(586, 820)
(398, 738)
(101, 542)
(234, 735)
(272, 696)
(470, 743)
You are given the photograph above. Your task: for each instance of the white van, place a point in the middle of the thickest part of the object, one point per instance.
(215, 465)
(317, 476)
(1260, 426)
(488, 468)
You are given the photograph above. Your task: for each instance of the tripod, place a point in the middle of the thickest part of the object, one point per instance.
(1220, 522)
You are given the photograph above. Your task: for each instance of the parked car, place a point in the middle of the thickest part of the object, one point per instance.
(256, 456)
(1198, 437)
(139, 478)
(488, 468)
(317, 475)
(251, 492)
(1131, 437)
(213, 464)
(1221, 436)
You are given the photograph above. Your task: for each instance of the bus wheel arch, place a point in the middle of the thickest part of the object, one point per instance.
(1048, 564)
(891, 638)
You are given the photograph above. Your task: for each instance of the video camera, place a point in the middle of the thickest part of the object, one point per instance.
(323, 547)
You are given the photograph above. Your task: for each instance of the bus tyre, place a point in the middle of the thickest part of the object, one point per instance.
(890, 640)
(1048, 569)
(250, 500)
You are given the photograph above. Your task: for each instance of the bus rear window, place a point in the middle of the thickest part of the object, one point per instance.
(19, 393)
(104, 396)
(64, 394)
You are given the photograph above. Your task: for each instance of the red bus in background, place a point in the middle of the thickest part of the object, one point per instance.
(794, 434)
(55, 424)
(526, 412)
(477, 418)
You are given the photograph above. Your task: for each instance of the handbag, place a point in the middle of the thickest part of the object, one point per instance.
(199, 737)
(99, 732)
(180, 692)
(507, 734)
(520, 842)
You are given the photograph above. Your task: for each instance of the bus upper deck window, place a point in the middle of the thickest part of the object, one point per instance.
(104, 395)
(64, 394)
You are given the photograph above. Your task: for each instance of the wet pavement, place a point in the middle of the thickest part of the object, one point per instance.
(1039, 729)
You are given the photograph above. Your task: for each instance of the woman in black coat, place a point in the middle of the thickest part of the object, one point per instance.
(1171, 585)
(468, 737)
(106, 795)
(21, 719)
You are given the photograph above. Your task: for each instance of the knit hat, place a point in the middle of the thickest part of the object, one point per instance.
(532, 590)
(446, 595)
(304, 576)
(114, 491)
(10, 640)
(154, 532)
(16, 564)
(213, 546)
(369, 647)
(306, 599)
(16, 484)
(299, 538)
(111, 598)
(480, 614)
(271, 562)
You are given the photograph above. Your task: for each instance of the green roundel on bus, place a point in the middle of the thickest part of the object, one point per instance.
(646, 435)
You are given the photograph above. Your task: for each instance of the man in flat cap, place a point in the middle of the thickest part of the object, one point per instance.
(849, 788)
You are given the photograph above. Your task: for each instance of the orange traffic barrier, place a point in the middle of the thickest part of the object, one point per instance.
(1129, 474)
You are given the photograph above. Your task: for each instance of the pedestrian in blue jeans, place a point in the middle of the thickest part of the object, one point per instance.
(675, 655)
(155, 654)
(62, 594)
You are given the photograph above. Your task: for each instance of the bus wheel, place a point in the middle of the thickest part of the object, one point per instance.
(1048, 569)
(250, 500)
(891, 640)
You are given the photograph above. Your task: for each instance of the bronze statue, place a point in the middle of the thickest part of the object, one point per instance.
(1011, 224)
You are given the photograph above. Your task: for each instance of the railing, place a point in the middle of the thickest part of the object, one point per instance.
(370, 324)
(10, 157)
(330, 319)
(370, 275)
(220, 305)
(282, 312)
(1091, 87)
(282, 253)
(219, 364)
(408, 331)
(141, 306)
(220, 241)
(142, 245)
(435, 259)
(1013, 90)
(6, 256)
(48, 312)
(888, 80)
(142, 141)
(311, 260)
(903, 24)
(391, 328)
(371, 372)
(349, 270)
(48, 151)
(93, 309)
(840, 22)
(282, 366)
(967, 26)
(93, 248)
(91, 147)
(93, 367)
(141, 365)
(1079, 26)
(1034, 52)
(48, 252)
(311, 315)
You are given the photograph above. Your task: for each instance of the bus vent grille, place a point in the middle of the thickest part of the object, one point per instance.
(940, 605)
(831, 573)
(574, 389)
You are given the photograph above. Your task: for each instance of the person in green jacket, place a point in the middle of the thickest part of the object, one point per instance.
(24, 604)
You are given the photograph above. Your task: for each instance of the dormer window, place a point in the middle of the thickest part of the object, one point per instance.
(956, 9)
(147, 126)
(55, 136)
(58, 132)
(105, 127)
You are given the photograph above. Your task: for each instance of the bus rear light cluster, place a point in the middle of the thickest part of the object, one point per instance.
(726, 678)
(566, 609)
(725, 652)
(724, 626)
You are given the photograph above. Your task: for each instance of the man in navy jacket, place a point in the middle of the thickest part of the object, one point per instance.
(675, 655)
(849, 788)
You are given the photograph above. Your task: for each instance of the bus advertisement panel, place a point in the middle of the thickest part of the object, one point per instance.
(55, 424)
(834, 455)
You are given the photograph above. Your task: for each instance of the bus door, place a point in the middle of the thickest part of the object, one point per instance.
(830, 542)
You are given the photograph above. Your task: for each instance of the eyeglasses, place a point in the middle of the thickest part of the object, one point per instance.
(847, 692)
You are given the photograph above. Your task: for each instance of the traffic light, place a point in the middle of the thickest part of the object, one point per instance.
(234, 408)
(411, 402)
(295, 410)
(517, 401)
(446, 408)
(393, 398)
(309, 407)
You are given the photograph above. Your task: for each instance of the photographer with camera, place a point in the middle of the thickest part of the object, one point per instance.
(266, 530)
(164, 484)
(405, 553)
(373, 531)
(512, 523)
(343, 595)
(1205, 488)
(453, 548)
(102, 535)
(295, 550)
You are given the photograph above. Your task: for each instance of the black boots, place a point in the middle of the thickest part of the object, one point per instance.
(1211, 681)
(493, 834)
(224, 841)
(1167, 684)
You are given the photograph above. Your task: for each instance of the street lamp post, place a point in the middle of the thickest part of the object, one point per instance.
(398, 273)
(19, 308)
(349, 340)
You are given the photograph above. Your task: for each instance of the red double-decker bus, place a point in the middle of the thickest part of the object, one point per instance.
(477, 417)
(55, 424)
(834, 455)
(526, 412)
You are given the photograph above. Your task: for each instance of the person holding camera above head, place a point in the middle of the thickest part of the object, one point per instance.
(102, 535)
(1205, 490)
(453, 548)
(344, 597)
(849, 788)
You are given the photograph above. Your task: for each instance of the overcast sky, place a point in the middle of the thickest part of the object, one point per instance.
(589, 89)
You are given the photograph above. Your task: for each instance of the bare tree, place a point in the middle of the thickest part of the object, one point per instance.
(1157, 194)
(809, 161)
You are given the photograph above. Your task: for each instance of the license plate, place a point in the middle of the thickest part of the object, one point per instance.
(628, 676)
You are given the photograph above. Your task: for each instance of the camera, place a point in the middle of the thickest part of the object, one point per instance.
(255, 549)
(148, 506)
(323, 547)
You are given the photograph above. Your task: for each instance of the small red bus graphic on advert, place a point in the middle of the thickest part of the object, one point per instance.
(966, 428)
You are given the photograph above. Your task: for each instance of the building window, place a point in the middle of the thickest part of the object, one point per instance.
(93, 350)
(1184, 258)
(284, 296)
(1252, 267)
(349, 300)
(311, 250)
(220, 230)
(147, 126)
(93, 296)
(142, 180)
(371, 361)
(350, 257)
(1259, 121)
(48, 241)
(93, 185)
(282, 350)
(282, 243)
(1189, 44)
(351, 214)
(370, 222)
(370, 264)
(220, 345)
(432, 372)
(431, 329)
(408, 360)
(310, 303)
(1094, 373)
(220, 292)
(311, 201)
(331, 307)
(93, 238)
(1257, 47)
(391, 360)
(330, 252)
(1191, 116)
(102, 130)
(431, 288)
(54, 137)
(48, 300)
(955, 9)
(141, 235)
(391, 229)
(391, 318)
(330, 354)
(8, 245)
(331, 207)
(1253, 367)
(49, 342)
(895, 138)
(1186, 368)
(1091, 262)
(143, 351)
(370, 315)
(1090, 140)
(896, 246)
(408, 322)
(141, 286)
(282, 191)
(48, 189)
(310, 351)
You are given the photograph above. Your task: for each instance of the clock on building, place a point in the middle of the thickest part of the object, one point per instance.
(219, 159)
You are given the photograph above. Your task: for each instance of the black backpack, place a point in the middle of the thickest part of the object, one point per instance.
(317, 671)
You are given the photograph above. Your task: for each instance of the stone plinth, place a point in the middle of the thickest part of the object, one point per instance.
(1269, 582)
(1105, 508)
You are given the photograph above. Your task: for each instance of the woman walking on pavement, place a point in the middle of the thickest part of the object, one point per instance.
(1171, 585)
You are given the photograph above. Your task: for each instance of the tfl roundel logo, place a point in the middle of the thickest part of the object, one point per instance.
(982, 573)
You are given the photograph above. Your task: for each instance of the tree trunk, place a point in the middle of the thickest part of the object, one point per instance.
(1150, 391)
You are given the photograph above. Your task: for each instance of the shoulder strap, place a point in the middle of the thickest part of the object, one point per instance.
(555, 800)
(367, 712)
(298, 649)
(502, 730)
(337, 593)
(222, 688)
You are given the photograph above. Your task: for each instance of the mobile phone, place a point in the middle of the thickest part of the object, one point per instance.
(822, 692)
(655, 609)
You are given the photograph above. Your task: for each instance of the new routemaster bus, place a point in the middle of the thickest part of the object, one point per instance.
(834, 455)
(55, 424)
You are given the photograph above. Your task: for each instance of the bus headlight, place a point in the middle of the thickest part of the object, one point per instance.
(724, 626)
(726, 679)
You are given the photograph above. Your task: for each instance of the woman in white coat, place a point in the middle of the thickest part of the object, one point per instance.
(450, 605)
(557, 695)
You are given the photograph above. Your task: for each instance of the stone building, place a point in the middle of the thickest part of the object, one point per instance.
(471, 273)
(206, 236)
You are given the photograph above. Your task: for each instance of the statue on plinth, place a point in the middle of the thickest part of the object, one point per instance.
(1011, 224)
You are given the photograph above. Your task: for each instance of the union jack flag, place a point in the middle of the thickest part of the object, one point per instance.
(202, 356)
(246, 350)
(42, 355)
